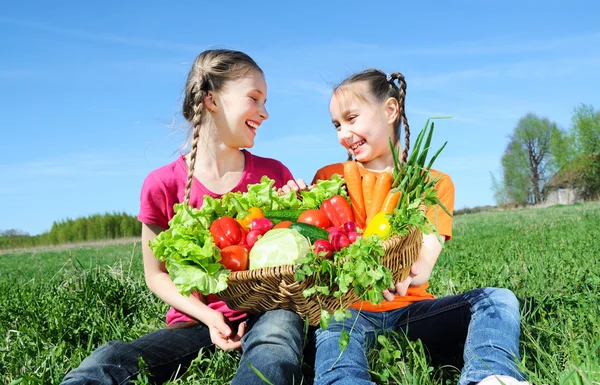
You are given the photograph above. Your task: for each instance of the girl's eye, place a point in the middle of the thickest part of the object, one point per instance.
(337, 126)
(351, 118)
(254, 98)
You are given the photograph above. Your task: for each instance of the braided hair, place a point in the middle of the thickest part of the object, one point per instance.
(210, 71)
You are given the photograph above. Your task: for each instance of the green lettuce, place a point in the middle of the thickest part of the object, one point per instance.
(324, 189)
(264, 196)
(190, 253)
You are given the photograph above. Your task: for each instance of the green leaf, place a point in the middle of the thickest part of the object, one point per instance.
(325, 319)
(344, 340)
(323, 189)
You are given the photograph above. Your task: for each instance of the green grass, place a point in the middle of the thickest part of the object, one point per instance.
(57, 307)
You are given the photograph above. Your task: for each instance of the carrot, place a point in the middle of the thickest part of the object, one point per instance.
(380, 192)
(368, 189)
(390, 203)
(354, 186)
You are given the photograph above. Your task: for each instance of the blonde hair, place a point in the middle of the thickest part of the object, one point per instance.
(382, 87)
(210, 71)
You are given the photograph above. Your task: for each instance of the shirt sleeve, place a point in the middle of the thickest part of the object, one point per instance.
(285, 175)
(437, 216)
(325, 173)
(153, 204)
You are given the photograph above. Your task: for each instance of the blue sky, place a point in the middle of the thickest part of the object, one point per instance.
(90, 94)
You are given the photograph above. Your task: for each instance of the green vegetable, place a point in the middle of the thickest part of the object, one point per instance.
(324, 189)
(313, 233)
(190, 254)
(416, 185)
(357, 267)
(278, 247)
(283, 215)
(264, 196)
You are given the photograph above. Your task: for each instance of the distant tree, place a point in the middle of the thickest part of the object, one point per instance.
(586, 133)
(562, 147)
(14, 233)
(528, 162)
(586, 129)
(516, 185)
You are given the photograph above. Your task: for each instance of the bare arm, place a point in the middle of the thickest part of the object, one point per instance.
(158, 280)
(421, 270)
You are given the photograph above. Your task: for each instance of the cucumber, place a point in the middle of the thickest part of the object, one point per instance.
(283, 215)
(313, 233)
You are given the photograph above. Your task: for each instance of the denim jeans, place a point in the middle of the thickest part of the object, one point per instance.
(272, 345)
(482, 326)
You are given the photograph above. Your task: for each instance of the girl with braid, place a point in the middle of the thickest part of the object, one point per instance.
(225, 98)
(478, 330)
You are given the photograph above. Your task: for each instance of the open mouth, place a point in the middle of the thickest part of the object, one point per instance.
(357, 144)
(252, 125)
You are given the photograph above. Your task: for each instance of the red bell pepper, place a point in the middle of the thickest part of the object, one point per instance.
(338, 210)
(226, 231)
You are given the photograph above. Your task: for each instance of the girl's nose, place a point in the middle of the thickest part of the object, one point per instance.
(263, 112)
(344, 133)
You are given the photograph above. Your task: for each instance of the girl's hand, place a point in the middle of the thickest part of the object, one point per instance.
(221, 334)
(420, 271)
(402, 287)
(293, 185)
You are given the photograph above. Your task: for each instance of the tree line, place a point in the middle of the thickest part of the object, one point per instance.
(91, 228)
(538, 149)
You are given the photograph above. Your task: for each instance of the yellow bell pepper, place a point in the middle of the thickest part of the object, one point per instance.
(253, 212)
(379, 225)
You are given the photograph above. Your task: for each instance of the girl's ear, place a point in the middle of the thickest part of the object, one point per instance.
(392, 110)
(209, 101)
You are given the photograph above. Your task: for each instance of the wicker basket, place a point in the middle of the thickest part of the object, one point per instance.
(275, 287)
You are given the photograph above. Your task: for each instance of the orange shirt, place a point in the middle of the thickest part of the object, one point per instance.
(437, 216)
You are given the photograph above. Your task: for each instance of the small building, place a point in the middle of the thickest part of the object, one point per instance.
(567, 185)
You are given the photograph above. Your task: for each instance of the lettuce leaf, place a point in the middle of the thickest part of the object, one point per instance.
(189, 251)
(264, 196)
(324, 189)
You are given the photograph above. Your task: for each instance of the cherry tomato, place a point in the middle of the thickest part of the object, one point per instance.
(234, 258)
(283, 225)
(316, 218)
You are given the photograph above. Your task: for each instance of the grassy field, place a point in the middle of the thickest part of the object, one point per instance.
(57, 306)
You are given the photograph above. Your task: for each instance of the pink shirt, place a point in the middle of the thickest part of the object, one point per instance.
(165, 186)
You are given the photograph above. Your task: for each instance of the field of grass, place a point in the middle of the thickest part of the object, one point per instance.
(56, 307)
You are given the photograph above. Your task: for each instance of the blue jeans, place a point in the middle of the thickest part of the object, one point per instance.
(272, 344)
(482, 325)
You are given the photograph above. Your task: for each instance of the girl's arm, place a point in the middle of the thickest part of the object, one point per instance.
(421, 270)
(158, 280)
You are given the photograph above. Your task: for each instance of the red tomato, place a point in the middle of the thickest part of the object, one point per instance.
(234, 258)
(283, 225)
(316, 218)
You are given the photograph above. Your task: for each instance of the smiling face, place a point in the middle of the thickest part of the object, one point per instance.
(240, 109)
(363, 125)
